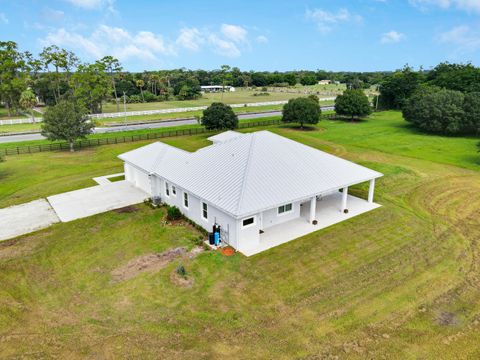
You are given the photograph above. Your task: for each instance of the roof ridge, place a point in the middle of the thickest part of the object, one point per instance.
(247, 168)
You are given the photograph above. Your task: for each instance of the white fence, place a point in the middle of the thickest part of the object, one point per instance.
(19, 121)
(177, 110)
(153, 112)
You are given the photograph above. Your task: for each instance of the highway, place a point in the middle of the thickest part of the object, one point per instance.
(147, 125)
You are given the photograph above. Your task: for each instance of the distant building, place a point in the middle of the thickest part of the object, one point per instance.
(216, 88)
(324, 82)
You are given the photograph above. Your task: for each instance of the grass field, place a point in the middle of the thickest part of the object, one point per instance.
(400, 282)
(240, 96)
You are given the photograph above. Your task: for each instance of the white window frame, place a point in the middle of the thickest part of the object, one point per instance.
(186, 199)
(284, 211)
(167, 189)
(249, 225)
(202, 211)
(174, 190)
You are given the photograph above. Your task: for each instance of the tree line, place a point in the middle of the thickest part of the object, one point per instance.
(444, 100)
(57, 73)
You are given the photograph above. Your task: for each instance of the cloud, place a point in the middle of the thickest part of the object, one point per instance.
(392, 37)
(224, 47)
(228, 41)
(3, 18)
(234, 32)
(52, 14)
(465, 5)
(118, 42)
(326, 20)
(262, 39)
(464, 38)
(190, 39)
(94, 4)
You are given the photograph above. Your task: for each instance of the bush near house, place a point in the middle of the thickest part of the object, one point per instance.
(219, 116)
(173, 213)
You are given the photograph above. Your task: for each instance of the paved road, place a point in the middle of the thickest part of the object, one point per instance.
(153, 125)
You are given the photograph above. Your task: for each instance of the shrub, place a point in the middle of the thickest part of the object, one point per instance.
(264, 89)
(261, 94)
(149, 97)
(219, 116)
(180, 270)
(133, 99)
(302, 110)
(173, 213)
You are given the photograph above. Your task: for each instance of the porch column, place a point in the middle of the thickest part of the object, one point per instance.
(371, 190)
(313, 208)
(344, 198)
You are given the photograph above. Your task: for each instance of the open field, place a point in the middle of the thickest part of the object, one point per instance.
(401, 282)
(240, 96)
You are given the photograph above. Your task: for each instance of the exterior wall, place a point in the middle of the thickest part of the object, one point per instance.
(138, 177)
(272, 218)
(194, 210)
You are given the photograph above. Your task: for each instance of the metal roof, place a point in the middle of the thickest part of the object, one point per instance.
(252, 172)
(224, 136)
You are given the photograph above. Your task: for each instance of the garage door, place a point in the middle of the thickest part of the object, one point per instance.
(138, 177)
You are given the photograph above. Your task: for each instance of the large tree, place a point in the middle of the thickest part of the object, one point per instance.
(28, 100)
(113, 68)
(436, 110)
(396, 88)
(471, 106)
(219, 116)
(66, 121)
(353, 103)
(91, 86)
(302, 110)
(13, 75)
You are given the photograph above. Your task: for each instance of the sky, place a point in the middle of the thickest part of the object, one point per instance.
(340, 35)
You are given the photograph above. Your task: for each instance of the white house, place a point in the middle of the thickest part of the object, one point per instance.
(217, 88)
(262, 189)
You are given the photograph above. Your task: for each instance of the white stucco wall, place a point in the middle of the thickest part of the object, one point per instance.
(272, 218)
(194, 210)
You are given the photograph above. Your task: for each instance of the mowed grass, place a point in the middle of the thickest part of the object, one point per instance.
(400, 282)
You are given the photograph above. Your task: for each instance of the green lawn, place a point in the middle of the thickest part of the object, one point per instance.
(400, 282)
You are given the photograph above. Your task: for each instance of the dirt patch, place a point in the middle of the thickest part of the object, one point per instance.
(447, 319)
(10, 249)
(127, 209)
(182, 281)
(151, 262)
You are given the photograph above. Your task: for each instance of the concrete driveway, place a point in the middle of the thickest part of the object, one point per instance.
(95, 200)
(25, 218)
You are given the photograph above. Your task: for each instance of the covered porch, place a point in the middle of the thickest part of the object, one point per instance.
(326, 211)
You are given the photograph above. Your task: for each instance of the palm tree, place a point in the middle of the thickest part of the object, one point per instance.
(140, 83)
(28, 100)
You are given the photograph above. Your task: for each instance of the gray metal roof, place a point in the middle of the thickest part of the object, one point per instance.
(224, 136)
(252, 172)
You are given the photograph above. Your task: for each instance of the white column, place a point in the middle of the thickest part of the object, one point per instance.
(313, 208)
(371, 190)
(344, 198)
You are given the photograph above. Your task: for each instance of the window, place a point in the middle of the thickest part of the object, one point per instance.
(167, 189)
(185, 200)
(174, 190)
(248, 222)
(284, 209)
(204, 211)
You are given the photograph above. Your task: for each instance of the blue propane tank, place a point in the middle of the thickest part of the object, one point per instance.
(217, 238)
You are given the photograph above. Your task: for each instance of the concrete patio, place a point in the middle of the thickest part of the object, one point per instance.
(328, 212)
